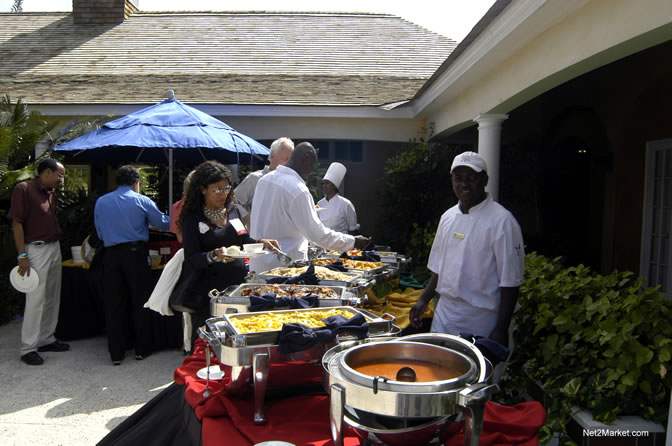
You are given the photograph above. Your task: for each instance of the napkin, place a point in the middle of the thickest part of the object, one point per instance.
(270, 301)
(297, 337)
(336, 266)
(306, 278)
(491, 349)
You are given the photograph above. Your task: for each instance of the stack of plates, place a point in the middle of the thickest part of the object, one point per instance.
(77, 254)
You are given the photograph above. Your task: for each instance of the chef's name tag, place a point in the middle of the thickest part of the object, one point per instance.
(458, 235)
(238, 226)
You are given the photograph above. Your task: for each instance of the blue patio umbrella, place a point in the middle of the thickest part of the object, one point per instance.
(166, 132)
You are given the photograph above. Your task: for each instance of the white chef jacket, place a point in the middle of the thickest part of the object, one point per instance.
(474, 255)
(283, 209)
(245, 190)
(338, 214)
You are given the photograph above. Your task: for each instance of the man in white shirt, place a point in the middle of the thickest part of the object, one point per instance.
(283, 209)
(335, 211)
(477, 260)
(281, 150)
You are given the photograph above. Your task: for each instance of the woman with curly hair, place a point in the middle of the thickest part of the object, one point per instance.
(209, 222)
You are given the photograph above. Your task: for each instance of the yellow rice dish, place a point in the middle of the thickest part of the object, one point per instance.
(260, 322)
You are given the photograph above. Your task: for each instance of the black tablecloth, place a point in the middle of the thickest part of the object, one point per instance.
(166, 420)
(82, 313)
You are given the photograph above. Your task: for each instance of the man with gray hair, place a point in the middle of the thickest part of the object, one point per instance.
(281, 150)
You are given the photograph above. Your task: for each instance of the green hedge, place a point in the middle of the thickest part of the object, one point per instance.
(598, 342)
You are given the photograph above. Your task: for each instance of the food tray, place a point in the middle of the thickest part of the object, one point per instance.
(385, 256)
(233, 299)
(377, 326)
(366, 272)
(354, 278)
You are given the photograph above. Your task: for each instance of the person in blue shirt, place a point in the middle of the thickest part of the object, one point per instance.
(122, 219)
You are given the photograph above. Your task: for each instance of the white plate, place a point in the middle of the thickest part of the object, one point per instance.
(275, 443)
(26, 283)
(247, 255)
(215, 372)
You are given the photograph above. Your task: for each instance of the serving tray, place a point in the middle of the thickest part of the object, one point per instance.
(234, 299)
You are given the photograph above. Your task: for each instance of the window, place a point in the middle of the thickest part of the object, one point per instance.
(352, 151)
(322, 150)
(656, 249)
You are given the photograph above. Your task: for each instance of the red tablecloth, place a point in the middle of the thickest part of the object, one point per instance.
(304, 419)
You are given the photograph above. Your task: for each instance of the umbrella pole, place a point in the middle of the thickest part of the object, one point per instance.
(170, 182)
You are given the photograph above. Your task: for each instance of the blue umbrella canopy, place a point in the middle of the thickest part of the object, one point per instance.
(167, 132)
(140, 136)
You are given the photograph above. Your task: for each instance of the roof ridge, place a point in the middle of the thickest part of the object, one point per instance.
(265, 12)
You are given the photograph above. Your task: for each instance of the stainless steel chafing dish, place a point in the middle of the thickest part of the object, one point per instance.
(235, 299)
(250, 355)
(365, 272)
(388, 411)
(354, 279)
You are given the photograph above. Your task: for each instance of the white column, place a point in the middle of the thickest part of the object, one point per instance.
(489, 135)
(669, 424)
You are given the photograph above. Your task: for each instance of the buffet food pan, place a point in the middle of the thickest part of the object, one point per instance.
(385, 256)
(324, 275)
(377, 324)
(352, 265)
(236, 298)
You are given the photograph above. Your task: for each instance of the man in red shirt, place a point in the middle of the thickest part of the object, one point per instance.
(36, 233)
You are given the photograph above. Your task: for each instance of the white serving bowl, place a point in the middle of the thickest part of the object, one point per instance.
(252, 248)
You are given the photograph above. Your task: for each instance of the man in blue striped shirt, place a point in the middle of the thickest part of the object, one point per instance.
(122, 220)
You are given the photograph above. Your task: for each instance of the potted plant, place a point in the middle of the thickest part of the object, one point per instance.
(597, 342)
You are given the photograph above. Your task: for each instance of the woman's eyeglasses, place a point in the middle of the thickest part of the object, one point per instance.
(222, 190)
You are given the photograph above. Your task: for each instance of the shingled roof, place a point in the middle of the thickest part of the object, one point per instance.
(260, 58)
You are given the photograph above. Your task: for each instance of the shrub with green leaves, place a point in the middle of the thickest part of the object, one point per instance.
(598, 342)
(417, 192)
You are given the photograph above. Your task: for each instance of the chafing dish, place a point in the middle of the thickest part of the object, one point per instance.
(350, 279)
(251, 355)
(363, 271)
(235, 299)
(387, 410)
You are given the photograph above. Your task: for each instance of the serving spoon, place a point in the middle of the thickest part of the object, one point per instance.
(406, 374)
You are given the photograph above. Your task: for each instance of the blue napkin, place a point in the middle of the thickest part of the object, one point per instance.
(306, 278)
(336, 266)
(491, 349)
(297, 337)
(270, 301)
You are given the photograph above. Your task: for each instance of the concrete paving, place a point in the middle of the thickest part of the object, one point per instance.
(76, 397)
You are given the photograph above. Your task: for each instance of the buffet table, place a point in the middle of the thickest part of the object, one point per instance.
(297, 411)
(82, 314)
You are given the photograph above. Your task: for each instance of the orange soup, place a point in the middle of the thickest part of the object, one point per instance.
(424, 371)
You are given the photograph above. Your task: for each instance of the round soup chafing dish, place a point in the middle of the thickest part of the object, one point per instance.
(354, 388)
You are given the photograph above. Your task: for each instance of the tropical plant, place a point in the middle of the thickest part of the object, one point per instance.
(417, 192)
(598, 342)
(20, 131)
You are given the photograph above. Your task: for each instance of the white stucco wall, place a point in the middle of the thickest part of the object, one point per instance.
(556, 40)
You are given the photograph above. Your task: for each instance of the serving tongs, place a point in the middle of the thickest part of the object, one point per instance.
(284, 258)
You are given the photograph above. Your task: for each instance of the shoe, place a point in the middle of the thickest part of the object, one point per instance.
(116, 362)
(32, 358)
(140, 357)
(55, 346)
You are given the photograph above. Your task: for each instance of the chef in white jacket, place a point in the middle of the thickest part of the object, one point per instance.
(335, 211)
(284, 210)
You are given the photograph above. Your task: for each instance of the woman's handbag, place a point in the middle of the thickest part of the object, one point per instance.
(184, 298)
